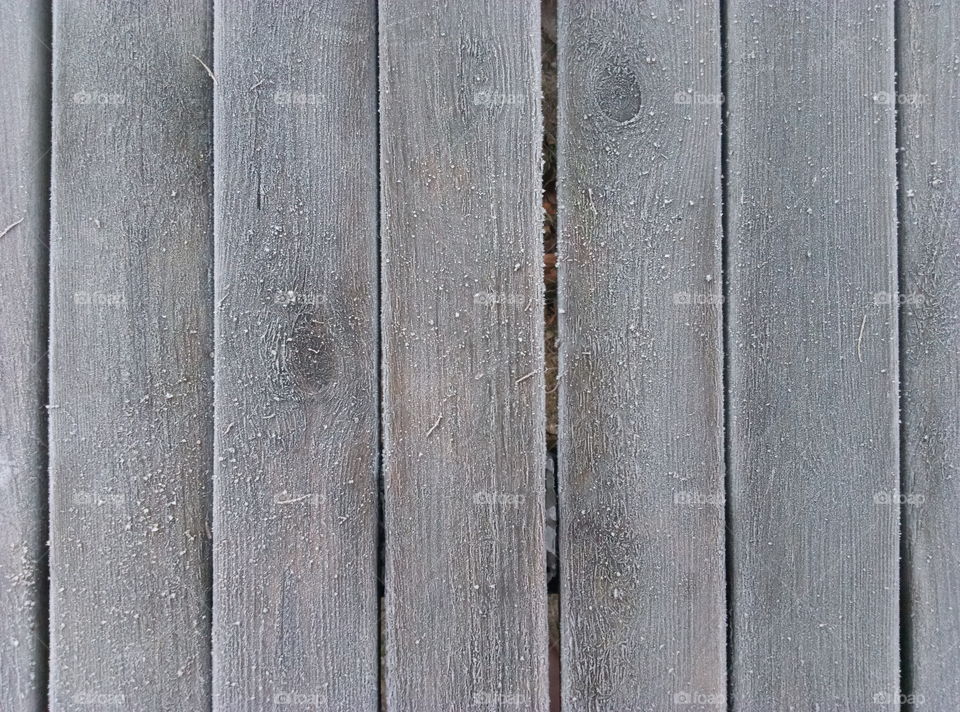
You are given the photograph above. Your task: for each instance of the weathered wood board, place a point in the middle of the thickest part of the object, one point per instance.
(812, 353)
(641, 390)
(24, 192)
(462, 325)
(295, 492)
(928, 104)
(130, 367)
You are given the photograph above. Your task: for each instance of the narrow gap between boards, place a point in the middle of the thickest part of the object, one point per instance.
(43, 423)
(548, 78)
(381, 527)
(725, 237)
(209, 566)
(906, 685)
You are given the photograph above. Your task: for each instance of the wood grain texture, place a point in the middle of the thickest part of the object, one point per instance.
(130, 367)
(295, 513)
(929, 106)
(24, 116)
(813, 437)
(462, 325)
(641, 391)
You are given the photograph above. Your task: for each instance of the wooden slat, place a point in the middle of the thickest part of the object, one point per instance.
(641, 390)
(295, 512)
(130, 367)
(812, 354)
(24, 116)
(929, 107)
(463, 355)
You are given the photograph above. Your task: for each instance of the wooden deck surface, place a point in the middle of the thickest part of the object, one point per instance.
(274, 404)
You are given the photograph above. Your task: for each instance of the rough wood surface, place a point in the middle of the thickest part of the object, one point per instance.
(295, 513)
(24, 117)
(929, 106)
(812, 355)
(463, 355)
(641, 389)
(130, 368)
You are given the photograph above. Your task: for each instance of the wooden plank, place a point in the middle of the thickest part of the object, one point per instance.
(295, 506)
(813, 439)
(928, 104)
(641, 392)
(24, 188)
(130, 367)
(462, 332)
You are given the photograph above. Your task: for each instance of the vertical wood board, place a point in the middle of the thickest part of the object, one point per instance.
(24, 193)
(928, 104)
(130, 368)
(812, 353)
(641, 388)
(295, 506)
(462, 324)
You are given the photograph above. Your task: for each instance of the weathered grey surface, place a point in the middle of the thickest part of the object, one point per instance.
(24, 111)
(130, 343)
(295, 511)
(641, 388)
(812, 355)
(463, 355)
(929, 106)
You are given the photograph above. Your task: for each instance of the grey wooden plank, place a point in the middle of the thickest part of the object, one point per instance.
(24, 111)
(641, 390)
(462, 326)
(130, 368)
(929, 104)
(295, 505)
(813, 439)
